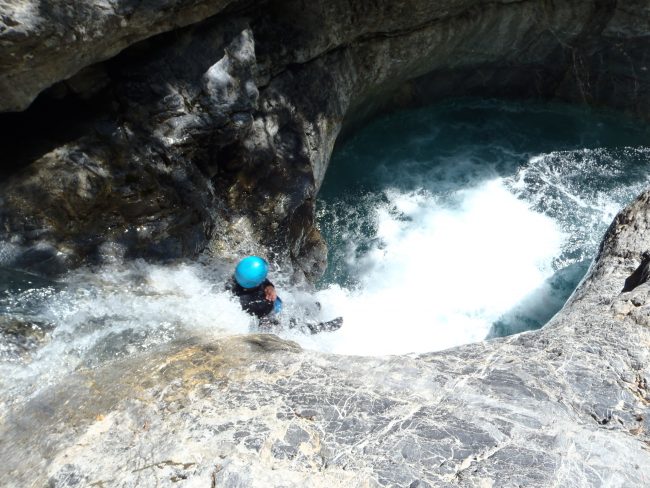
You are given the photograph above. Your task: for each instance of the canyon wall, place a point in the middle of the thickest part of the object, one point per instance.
(216, 137)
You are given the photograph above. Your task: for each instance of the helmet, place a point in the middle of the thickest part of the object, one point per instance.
(251, 271)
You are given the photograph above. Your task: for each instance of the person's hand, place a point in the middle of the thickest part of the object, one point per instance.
(270, 294)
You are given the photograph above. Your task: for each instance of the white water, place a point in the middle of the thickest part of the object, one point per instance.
(444, 267)
(427, 285)
(441, 269)
(116, 311)
(442, 274)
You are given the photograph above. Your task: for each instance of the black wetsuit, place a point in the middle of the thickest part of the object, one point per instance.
(253, 300)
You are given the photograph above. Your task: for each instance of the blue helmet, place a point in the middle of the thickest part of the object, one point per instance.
(251, 271)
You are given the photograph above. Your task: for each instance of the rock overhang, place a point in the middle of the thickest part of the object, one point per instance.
(262, 151)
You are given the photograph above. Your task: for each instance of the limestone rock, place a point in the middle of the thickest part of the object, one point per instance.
(20, 337)
(140, 187)
(45, 42)
(567, 405)
(194, 135)
(195, 139)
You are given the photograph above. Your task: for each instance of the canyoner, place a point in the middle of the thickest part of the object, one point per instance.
(258, 297)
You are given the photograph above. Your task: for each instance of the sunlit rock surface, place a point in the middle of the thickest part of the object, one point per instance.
(44, 42)
(568, 405)
(139, 187)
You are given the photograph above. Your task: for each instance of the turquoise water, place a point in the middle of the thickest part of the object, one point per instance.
(473, 218)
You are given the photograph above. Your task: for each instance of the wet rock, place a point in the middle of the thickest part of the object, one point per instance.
(45, 42)
(21, 337)
(217, 137)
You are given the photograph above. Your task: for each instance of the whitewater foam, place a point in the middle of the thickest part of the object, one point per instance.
(443, 266)
(444, 234)
(439, 275)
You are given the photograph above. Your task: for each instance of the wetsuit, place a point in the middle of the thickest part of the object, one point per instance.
(253, 300)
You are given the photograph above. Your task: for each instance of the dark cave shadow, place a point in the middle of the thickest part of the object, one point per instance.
(51, 121)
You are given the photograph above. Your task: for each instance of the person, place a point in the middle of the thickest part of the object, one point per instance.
(258, 297)
(256, 293)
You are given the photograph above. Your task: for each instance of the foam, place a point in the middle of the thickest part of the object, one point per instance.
(461, 229)
(440, 275)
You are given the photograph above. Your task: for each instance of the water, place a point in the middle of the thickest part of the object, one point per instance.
(91, 317)
(446, 225)
(470, 219)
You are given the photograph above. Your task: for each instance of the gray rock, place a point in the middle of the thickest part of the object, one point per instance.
(20, 337)
(45, 42)
(196, 141)
(202, 142)
(134, 189)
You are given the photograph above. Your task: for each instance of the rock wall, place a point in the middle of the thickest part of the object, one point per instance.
(45, 42)
(217, 137)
